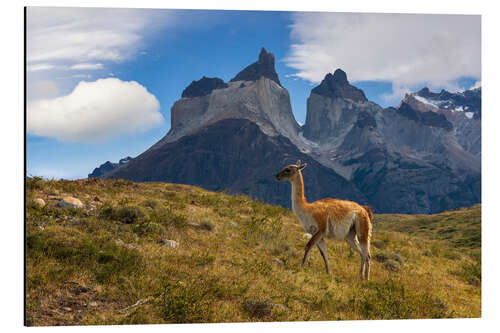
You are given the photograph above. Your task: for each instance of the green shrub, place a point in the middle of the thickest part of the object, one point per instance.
(167, 216)
(106, 260)
(259, 267)
(185, 304)
(452, 255)
(205, 225)
(145, 228)
(258, 307)
(106, 212)
(126, 214)
(202, 259)
(390, 300)
(470, 272)
(151, 203)
(129, 214)
(34, 183)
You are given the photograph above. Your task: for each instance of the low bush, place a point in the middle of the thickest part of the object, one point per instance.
(390, 300)
(258, 307)
(185, 304)
(470, 272)
(129, 214)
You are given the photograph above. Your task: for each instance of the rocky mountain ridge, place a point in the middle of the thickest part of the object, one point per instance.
(234, 136)
(461, 109)
(107, 167)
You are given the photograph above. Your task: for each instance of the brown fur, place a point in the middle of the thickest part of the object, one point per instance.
(369, 211)
(333, 211)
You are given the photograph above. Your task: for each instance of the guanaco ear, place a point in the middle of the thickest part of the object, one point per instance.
(302, 166)
(298, 164)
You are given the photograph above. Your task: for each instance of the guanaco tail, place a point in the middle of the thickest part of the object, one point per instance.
(331, 218)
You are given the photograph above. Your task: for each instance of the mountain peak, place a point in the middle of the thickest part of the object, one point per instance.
(264, 66)
(424, 92)
(266, 57)
(340, 76)
(203, 87)
(336, 85)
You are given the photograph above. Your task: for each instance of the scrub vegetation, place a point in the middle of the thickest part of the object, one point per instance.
(140, 253)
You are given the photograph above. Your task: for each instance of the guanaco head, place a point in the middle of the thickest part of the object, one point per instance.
(290, 171)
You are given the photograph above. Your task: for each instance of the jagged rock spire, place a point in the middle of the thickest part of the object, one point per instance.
(337, 85)
(262, 67)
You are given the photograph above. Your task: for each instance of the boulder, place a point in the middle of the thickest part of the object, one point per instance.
(40, 202)
(392, 266)
(170, 243)
(278, 262)
(381, 257)
(70, 202)
(397, 257)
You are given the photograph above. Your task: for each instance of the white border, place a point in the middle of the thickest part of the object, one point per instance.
(12, 158)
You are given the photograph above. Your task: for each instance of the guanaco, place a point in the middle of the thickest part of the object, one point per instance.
(331, 218)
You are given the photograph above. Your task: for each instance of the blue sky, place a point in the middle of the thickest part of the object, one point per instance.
(82, 109)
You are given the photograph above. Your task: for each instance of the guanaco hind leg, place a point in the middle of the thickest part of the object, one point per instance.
(365, 247)
(353, 242)
(313, 241)
(363, 233)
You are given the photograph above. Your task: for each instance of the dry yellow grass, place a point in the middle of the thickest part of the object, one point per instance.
(237, 260)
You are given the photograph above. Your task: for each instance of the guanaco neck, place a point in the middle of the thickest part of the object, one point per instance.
(298, 198)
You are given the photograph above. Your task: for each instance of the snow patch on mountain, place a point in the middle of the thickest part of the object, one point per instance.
(426, 101)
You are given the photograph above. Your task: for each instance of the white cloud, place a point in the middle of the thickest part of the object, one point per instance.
(476, 85)
(95, 111)
(397, 93)
(41, 89)
(80, 76)
(81, 40)
(406, 49)
(39, 67)
(83, 34)
(87, 66)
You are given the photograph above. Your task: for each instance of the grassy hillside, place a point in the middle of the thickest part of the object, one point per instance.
(113, 262)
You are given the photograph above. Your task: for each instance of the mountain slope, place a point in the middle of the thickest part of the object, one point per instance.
(403, 159)
(235, 137)
(462, 109)
(234, 155)
(254, 94)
